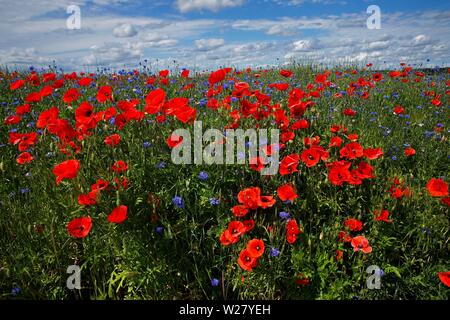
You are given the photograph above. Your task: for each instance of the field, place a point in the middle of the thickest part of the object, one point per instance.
(87, 179)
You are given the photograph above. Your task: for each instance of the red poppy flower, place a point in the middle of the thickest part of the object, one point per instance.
(409, 151)
(14, 119)
(266, 202)
(217, 76)
(85, 116)
(240, 211)
(120, 166)
(164, 73)
(246, 261)
(373, 154)
(446, 201)
(33, 97)
(360, 243)
(339, 255)
(312, 155)
(185, 73)
(255, 248)
(292, 231)
(88, 199)
(349, 112)
(66, 170)
(351, 151)
(226, 238)
(250, 197)
(174, 140)
(100, 185)
(23, 109)
(445, 278)
(289, 164)
(286, 73)
(287, 192)
(257, 164)
(71, 95)
(343, 236)
(112, 140)
(399, 110)
(339, 172)
(24, 157)
(437, 188)
(79, 227)
(46, 91)
(335, 142)
(47, 117)
(302, 281)
(383, 215)
(16, 84)
(118, 215)
(353, 224)
(249, 224)
(377, 77)
(84, 82)
(104, 94)
(154, 101)
(236, 228)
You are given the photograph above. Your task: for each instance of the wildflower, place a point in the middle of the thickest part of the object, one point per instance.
(118, 215)
(274, 252)
(203, 176)
(215, 282)
(178, 202)
(79, 227)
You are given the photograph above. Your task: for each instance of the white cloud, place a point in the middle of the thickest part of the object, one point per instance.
(305, 45)
(125, 30)
(112, 53)
(209, 44)
(211, 5)
(282, 30)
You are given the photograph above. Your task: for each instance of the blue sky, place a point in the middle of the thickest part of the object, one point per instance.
(205, 34)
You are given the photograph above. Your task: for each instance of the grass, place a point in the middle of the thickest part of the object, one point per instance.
(133, 261)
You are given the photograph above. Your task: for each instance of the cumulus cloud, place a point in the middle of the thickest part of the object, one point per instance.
(211, 5)
(208, 44)
(306, 45)
(112, 53)
(125, 30)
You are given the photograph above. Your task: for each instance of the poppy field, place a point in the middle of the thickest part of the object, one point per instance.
(87, 179)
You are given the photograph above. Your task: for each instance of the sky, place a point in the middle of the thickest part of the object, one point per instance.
(207, 34)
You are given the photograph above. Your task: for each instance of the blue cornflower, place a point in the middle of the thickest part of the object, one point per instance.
(274, 252)
(379, 272)
(178, 202)
(25, 190)
(15, 291)
(161, 165)
(146, 144)
(159, 230)
(284, 215)
(203, 175)
(214, 201)
(215, 282)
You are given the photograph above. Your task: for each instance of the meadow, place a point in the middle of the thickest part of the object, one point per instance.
(87, 179)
